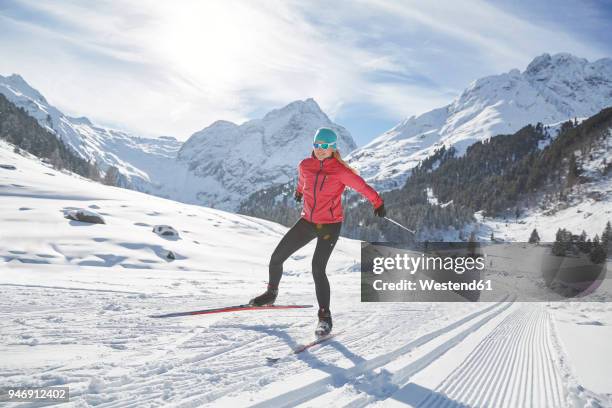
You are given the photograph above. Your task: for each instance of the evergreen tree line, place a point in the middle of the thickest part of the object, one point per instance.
(567, 243)
(23, 131)
(275, 203)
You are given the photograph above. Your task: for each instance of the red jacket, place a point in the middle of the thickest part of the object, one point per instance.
(322, 182)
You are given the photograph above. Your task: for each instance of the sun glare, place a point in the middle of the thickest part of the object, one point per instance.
(206, 42)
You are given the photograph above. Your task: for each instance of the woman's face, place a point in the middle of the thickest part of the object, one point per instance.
(321, 153)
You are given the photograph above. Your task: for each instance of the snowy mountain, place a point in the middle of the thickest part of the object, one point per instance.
(552, 89)
(135, 157)
(234, 161)
(218, 166)
(75, 300)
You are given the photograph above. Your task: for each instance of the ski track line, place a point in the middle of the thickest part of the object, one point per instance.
(507, 367)
(110, 386)
(197, 399)
(394, 379)
(349, 336)
(344, 376)
(68, 288)
(184, 373)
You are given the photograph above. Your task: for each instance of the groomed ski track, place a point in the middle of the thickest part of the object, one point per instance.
(500, 356)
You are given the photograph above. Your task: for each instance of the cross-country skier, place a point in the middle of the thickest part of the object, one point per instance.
(321, 181)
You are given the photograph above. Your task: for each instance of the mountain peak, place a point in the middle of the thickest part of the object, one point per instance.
(16, 78)
(19, 84)
(222, 123)
(300, 107)
(546, 64)
(308, 104)
(81, 120)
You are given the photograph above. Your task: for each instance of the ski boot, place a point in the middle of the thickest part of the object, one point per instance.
(325, 323)
(266, 298)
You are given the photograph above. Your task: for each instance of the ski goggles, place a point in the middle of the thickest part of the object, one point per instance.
(323, 145)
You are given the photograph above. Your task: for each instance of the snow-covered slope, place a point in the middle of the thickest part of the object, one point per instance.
(234, 161)
(552, 89)
(75, 300)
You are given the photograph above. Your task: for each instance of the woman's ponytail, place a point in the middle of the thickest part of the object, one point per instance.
(336, 155)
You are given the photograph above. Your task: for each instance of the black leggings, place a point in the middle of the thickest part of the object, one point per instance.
(299, 235)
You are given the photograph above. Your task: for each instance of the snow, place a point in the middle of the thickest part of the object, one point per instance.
(552, 89)
(431, 197)
(75, 300)
(585, 331)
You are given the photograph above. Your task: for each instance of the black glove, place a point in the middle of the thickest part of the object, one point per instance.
(298, 197)
(380, 211)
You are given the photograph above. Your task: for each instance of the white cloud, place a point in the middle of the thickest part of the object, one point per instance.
(173, 68)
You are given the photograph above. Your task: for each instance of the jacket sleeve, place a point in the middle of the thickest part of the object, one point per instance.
(300, 184)
(354, 181)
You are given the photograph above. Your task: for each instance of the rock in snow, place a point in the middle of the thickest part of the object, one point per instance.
(85, 216)
(165, 231)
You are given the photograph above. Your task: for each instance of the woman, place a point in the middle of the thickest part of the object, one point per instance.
(321, 181)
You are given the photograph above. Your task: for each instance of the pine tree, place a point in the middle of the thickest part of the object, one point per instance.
(573, 171)
(111, 177)
(582, 243)
(56, 160)
(597, 255)
(558, 248)
(606, 238)
(471, 247)
(517, 212)
(535, 237)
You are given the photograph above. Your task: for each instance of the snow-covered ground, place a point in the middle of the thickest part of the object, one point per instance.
(75, 300)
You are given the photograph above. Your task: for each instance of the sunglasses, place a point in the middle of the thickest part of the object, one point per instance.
(323, 145)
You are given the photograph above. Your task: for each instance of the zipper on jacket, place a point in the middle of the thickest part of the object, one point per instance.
(323, 182)
(314, 204)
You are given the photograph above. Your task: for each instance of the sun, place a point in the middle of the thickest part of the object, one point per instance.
(209, 42)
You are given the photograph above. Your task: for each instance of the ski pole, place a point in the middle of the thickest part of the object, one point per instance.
(400, 225)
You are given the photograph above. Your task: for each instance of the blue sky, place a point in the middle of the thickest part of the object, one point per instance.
(172, 68)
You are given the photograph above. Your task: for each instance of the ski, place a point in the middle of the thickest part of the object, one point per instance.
(237, 308)
(303, 347)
